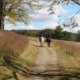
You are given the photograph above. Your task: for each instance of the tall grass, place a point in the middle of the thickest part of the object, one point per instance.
(68, 58)
(72, 48)
(12, 44)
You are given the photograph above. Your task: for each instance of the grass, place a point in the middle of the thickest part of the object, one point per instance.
(72, 48)
(68, 63)
(16, 55)
(11, 45)
(26, 55)
(66, 59)
(34, 39)
(30, 54)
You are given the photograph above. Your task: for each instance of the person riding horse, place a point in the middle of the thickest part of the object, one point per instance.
(41, 39)
(48, 40)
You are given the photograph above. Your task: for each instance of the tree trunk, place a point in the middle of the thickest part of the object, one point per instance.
(1, 15)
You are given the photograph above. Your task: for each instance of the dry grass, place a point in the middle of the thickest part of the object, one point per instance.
(17, 46)
(30, 54)
(10, 45)
(10, 42)
(68, 63)
(24, 52)
(69, 47)
(34, 39)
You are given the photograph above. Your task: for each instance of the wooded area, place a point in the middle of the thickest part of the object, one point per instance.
(57, 33)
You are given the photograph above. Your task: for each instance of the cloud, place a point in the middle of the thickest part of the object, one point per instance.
(77, 19)
(76, 29)
(49, 26)
(40, 17)
(22, 27)
(43, 14)
(30, 27)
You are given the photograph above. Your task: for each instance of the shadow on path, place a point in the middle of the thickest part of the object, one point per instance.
(17, 67)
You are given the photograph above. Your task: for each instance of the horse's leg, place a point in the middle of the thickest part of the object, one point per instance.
(41, 44)
(48, 44)
(40, 41)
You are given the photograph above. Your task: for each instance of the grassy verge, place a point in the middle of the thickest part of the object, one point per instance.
(16, 55)
(69, 64)
(70, 47)
(30, 54)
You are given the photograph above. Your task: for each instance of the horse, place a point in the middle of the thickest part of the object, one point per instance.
(48, 40)
(41, 40)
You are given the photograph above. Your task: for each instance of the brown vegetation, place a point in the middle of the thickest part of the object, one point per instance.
(72, 48)
(11, 47)
(12, 42)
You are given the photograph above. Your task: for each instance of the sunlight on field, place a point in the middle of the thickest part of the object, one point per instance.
(34, 39)
(30, 54)
(11, 45)
(72, 48)
(67, 60)
(68, 63)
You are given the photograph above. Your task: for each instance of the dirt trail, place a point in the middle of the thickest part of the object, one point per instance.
(47, 61)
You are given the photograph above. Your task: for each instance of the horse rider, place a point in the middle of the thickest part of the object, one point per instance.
(41, 39)
(48, 40)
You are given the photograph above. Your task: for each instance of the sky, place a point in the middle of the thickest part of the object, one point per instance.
(41, 19)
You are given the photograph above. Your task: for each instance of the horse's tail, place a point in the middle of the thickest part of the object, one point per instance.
(42, 39)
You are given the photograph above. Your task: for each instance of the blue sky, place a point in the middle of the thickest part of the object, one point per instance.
(41, 19)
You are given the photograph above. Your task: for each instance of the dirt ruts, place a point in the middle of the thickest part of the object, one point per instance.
(46, 64)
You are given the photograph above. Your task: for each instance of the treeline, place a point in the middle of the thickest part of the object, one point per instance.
(57, 33)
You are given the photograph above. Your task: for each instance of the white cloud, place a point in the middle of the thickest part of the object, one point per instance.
(39, 17)
(30, 27)
(26, 27)
(43, 14)
(49, 26)
(76, 29)
(77, 19)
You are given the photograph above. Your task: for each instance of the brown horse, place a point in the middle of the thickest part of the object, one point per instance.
(48, 40)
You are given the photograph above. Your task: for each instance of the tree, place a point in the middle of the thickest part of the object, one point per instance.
(78, 36)
(58, 34)
(68, 36)
(1, 15)
(19, 10)
(76, 1)
(57, 2)
(16, 10)
(47, 32)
